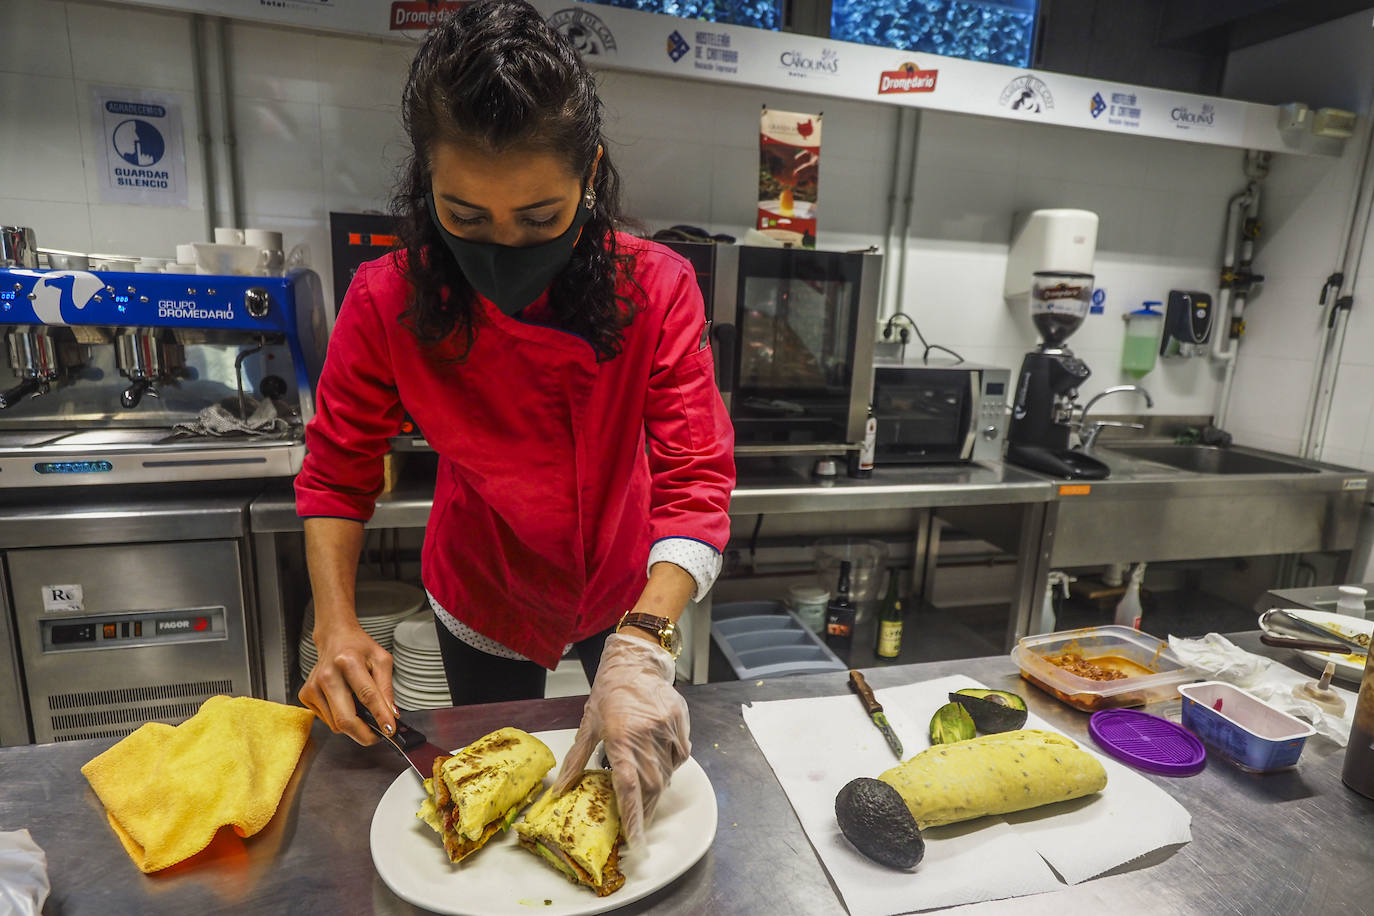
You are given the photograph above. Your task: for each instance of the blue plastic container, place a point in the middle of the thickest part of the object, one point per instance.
(1247, 731)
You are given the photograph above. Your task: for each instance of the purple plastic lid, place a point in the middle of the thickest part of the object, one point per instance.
(1148, 742)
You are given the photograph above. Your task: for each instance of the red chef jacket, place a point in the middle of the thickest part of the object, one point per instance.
(547, 499)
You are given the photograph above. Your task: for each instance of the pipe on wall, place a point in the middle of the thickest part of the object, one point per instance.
(203, 135)
(902, 193)
(229, 138)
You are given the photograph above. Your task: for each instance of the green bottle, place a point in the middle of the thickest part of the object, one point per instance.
(890, 622)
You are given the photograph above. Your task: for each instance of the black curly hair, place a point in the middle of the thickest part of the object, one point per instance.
(495, 76)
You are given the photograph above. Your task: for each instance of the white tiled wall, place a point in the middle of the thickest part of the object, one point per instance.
(318, 130)
(1305, 208)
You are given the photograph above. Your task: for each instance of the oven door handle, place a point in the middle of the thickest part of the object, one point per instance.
(975, 391)
(726, 357)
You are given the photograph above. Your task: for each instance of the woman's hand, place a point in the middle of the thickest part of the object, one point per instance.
(351, 664)
(643, 721)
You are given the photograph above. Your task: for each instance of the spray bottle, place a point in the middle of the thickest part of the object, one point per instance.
(1128, 610)
(1058, 579)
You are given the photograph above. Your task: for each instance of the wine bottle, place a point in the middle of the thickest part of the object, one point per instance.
(839, 617)
(889, 643)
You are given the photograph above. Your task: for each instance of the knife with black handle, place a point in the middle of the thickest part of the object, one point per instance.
(874, 709)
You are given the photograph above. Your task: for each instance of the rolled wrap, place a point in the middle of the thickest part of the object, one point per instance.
(994, 774)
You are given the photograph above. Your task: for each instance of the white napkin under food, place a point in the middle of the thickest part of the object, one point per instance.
(817, 745)
(1219, 659)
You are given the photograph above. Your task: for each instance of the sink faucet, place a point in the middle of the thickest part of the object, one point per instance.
(1090, 436)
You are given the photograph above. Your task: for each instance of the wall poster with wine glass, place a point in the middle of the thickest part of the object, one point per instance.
(789, 175)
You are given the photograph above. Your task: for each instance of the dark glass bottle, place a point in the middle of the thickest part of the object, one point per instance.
(889, 643)
(1358, 772)
(839, 617)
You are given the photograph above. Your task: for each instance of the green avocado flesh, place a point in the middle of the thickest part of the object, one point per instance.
(874, 818)
(992, 710)
(951, 723)
(557, 862)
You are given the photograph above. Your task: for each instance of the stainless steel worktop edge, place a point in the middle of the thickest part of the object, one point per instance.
(974, 484)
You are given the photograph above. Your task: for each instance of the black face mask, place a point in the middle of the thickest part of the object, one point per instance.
(510, 277)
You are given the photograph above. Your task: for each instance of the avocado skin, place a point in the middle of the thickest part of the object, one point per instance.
(951, 723)
(989, 715)
(874, 818)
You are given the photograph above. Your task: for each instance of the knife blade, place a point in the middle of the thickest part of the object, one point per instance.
(410, 743)
(874, 709)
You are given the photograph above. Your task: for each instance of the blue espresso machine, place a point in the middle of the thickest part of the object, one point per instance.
(120, 377)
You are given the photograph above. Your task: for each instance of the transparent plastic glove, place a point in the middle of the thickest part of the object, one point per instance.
(23, 874)
(634, 709)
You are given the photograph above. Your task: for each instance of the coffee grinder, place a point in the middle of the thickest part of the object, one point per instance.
(1047, 385)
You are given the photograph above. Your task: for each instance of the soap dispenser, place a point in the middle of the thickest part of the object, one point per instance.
(1142, 339)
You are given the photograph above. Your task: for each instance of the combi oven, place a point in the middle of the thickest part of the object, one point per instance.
(792, 334)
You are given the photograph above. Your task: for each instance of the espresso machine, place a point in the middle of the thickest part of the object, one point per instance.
(1047, 386)
(118, 377)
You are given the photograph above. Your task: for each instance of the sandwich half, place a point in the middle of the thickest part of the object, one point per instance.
(480, 790)
(578, 832)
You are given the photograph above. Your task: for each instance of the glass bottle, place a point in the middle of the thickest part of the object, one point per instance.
(861, 462)
(839, 617)
(889, 644)
(1358, 772)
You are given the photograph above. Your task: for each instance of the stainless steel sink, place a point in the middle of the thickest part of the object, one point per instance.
(1206, 459)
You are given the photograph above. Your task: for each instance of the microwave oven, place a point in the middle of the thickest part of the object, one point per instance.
(940, 412)
(792, 336)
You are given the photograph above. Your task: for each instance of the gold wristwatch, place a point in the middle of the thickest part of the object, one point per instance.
(663, 629)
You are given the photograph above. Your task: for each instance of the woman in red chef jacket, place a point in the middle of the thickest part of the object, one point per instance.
(561, 371)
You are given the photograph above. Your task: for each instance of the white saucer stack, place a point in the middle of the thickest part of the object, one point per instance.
(381, 605)
(417, 678)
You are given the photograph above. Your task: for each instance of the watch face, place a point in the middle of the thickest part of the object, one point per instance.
(674, 639)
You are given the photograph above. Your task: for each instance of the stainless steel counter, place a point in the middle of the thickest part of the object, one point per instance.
(769, 487)
(1295, 842)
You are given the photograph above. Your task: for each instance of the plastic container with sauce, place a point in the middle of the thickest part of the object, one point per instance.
(1153, 671)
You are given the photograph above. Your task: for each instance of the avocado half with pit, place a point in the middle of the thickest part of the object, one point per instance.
(992, 710)
(873, 816)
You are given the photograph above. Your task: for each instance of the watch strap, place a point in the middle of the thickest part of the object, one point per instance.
(662, 629)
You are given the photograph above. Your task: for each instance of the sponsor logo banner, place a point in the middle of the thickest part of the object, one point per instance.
(804, 65)
(1027, 94)
(908, 77)
(1186, 117)
(1121, 108)
(587, 33)
(420, 15)
(715, 52)
(677, 46)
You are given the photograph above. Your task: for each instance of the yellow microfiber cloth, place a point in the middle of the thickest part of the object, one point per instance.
(168, 789)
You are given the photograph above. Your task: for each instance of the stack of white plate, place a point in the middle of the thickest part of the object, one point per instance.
(417, 677)
(381, 606)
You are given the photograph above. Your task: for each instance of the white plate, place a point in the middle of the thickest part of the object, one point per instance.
(417, 632)
(1350, 667)
(502, 878)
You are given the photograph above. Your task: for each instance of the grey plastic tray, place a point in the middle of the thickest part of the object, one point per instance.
(764, 639)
